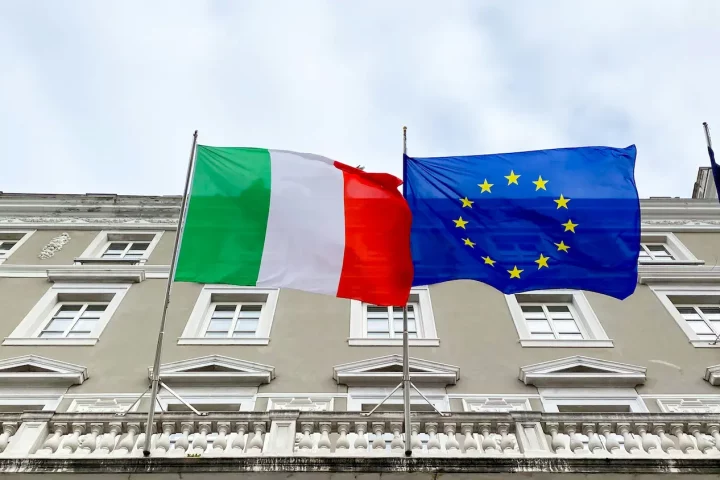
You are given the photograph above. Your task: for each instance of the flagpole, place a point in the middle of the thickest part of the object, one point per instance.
(158, 351)
(707, 134)
(406, 347)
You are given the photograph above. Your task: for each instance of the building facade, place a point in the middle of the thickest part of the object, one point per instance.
(553, 382)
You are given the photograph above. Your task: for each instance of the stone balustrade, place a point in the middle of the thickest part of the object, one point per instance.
(351, 434)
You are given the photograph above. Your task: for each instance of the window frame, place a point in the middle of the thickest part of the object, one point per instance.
(664, 292)
(552, 398)
(97, 248)
(199, 320)
(357, 396)
(39, 316)
(588, 323)
(18, 243)
(680, 253)
(244, 396)
(76, 318)
(424, 323)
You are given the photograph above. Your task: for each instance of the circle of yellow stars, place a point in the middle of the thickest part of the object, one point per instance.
(512, 179)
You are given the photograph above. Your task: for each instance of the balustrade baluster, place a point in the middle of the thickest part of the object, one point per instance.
(182, 444)
(703, 444)
(199, 444)
(631, 444)
(220, 443)
(89, 442)
(646, 441)
(343, 443)
(489, 445)
(611, 443)
(666, 443)
(470, 445)
(238, 443)
(324, 441)
(397, 444)
(162, 444)
(378, 443)
(361, 442)
(595, 445)
(415, 442)
(72, 442)
(451, 444)
(433, 445)
(557, 443)
(686, 445)
(256, 444)
(8, 431)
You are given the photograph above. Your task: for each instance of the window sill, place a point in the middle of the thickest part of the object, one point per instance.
(530, 342)
(394, 342)
(50, 341)
(704, 344)
(223, 341)
(109, 261)
(674, 262)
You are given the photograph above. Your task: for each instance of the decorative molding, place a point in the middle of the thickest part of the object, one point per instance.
(388, 370)
(496, 404)
(678, 274)
(104, 275)
(580, 371)
(101, 405)
(215, 369)
(689, 405)
(41, 271)
(54, 246)
(41, 371)
(304, 404)
(712, 375)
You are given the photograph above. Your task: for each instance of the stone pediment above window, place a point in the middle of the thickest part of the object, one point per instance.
(215, 369)
(580, 371)
(37, 371)
(387, 370)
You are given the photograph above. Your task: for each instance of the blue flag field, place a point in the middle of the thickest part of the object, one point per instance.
(547, 219)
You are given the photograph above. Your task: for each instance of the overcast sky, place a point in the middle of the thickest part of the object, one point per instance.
(103, 96)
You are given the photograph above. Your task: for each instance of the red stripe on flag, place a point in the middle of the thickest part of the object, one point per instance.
(377, 265)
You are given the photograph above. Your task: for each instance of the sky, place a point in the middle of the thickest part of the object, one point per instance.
(103, 96)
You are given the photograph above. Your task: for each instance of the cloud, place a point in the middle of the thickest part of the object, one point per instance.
(104, 96)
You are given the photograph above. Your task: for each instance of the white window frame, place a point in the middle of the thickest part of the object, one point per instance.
(587, 321)
(552, 398)
(424, 321)
(94, 252)
(244, 396)
(49, 398)
(18, 243)
(357, 396)
(200, 316)
(681, 254)
(664, 292)
(40, 314)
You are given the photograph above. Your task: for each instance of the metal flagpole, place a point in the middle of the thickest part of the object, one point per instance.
(707, 134)
(168, 289)
(406, 348)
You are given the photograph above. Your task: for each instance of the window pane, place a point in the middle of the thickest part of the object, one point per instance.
(566, 326)
(7, 245)
(543, 336)
(398, 326)
(377, 312)
(116, 247)
(77, 335)
(224, 311)
(216, 334)
(246, 325)
(84, 326)
(58, 325)
(250, 311)
(700, 327)
(68, 311)
(219, 325)
(570, 336)
(96, 308)
(538, 326)
(50, 334)
(139, 246)
(378, 335)
(377, 325)
(711, 313)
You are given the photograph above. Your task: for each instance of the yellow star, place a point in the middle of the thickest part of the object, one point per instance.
(540, 183)
(569, 226)
(466, 202)
(468, 242)
(460, 223)
(512, 178)
(562, 247)
(489, 261)
(515, 272)
(562, 201)
(542, 261)
(485, 186)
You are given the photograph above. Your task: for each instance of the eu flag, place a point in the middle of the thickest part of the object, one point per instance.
(547, 219)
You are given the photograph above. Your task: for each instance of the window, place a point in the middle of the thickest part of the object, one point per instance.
(120, 247)
(364, 399)
(69, 315)
(696, 310)
(208, 399)
(231, 320)
(556, 318)
(372, 325)
(591, 400)
(10, 241)
(387, 322)
(665, 249)
(73, 320)
(229, 315)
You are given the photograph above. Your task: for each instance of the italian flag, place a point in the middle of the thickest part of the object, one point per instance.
(280, 219)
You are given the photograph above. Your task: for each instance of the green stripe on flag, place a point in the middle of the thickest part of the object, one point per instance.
(227, 216)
